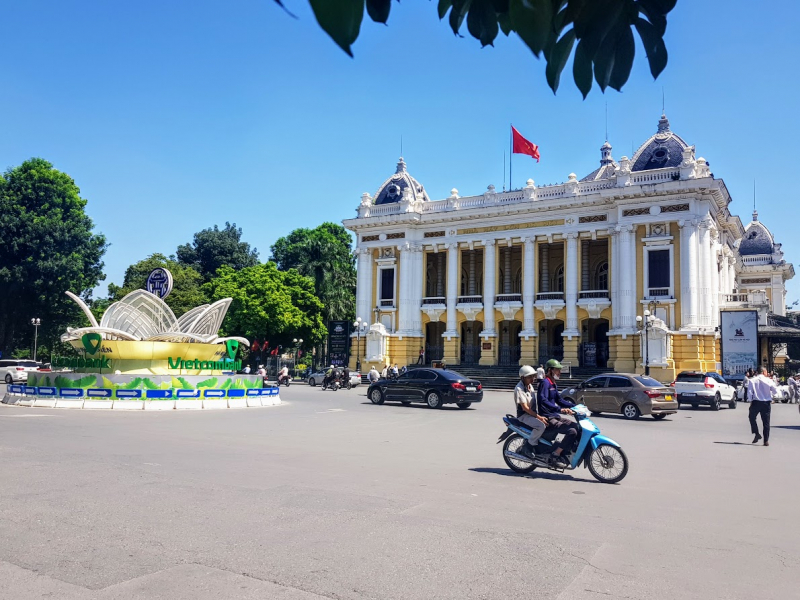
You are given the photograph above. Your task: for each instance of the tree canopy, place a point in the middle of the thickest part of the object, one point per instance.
(48, 248)
(603, 30)
(213, 248)
(187, 291)
(325, 255)
(269, 304)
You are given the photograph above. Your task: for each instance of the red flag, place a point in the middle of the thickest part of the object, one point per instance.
(274, 352)
(255, 347)
(523, 146)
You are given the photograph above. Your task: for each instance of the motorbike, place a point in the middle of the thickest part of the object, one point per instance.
(603, 456)
(334, 385)
(286, 380)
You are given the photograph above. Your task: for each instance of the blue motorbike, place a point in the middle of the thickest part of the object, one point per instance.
(603, 456)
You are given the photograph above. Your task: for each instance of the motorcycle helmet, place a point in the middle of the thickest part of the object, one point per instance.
(526, 370)
(553, 364)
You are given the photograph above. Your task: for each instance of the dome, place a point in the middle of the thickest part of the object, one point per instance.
(757, 239)
(661, 151)
(607, 165)
(394, 188)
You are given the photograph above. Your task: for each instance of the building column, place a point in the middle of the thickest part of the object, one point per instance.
(689, 316)
(404, 291)
(614, 277)
(417, 289)
(489, 287)
(627, 272)
(704, 280)
(528, 287)
(714, 266)
(724, 286)
(571, 285)
(732, 272)
(545, 282)
(364, 285)
(452, 288)
(585, 280)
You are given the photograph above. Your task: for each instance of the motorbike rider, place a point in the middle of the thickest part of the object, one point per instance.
(345, 375)
(526, 410)
(551, 406)
(329, 376)
(283, 374)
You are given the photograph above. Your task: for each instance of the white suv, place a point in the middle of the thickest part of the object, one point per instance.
(696, 387)
(12, 370)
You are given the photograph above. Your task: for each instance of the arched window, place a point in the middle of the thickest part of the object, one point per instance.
(558, 279)
(601, 277)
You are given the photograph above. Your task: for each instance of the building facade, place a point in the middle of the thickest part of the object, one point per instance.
(563, 271)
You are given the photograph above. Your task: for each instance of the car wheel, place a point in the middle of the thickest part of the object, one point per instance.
(715, 403)
(732, 403)
(464, 404)
(434, 400)
(630, 411)
(312, 382)
(8, 378)
(376, 396)
(659, 417)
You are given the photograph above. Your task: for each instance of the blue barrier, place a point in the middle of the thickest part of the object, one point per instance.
(235, 393)
(16, 389)
(159, 394)
(98, 393)
(46, 391)
(187, 393)
(70, 392)
(213, 393)
(128, 393)
(29, 390)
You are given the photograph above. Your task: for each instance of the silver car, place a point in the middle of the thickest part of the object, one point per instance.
(627, 394)
(317, 377)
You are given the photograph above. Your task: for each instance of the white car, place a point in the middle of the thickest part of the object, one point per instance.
(317, 376)
(696, 387)
(16, 370)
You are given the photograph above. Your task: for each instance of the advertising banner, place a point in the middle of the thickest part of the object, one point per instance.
(338, 342)
(739, 341)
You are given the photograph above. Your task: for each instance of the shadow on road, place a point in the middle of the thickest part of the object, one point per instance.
(737, 443)
(533, 475)
(795, 427)
(418, 405)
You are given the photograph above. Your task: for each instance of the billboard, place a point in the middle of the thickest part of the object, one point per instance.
(739, 341)
(338, 342)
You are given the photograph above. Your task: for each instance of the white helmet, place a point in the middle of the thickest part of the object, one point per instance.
(526, 370)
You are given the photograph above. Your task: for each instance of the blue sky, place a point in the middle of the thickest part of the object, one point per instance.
(175, 116)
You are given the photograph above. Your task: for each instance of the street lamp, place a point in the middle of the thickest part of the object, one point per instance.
(35, 323)
(358, 325)
(645, 325)
(297, 344)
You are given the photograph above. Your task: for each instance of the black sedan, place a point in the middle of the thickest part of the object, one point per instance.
(435, 387)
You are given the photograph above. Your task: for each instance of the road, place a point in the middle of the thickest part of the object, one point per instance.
(328, 496)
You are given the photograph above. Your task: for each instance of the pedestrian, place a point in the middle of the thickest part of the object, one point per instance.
(395, 371)
(792, 383)
(373, 375)
(421, 359)
(385, 372)
(761, 390)
(246, 370)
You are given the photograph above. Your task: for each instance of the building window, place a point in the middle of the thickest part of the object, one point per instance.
(387, 287)
(658, 273)
(601, 277)
(558, 279)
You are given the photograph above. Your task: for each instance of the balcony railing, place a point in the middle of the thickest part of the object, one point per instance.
(433, 300)
(508, 298)
(470, 299)
(757, 259)
(658, 293)
(550, 296)
(736, 298)
(387, 303)
(585, 295)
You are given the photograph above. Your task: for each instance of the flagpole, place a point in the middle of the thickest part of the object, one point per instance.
(504, 170)
(510, 155)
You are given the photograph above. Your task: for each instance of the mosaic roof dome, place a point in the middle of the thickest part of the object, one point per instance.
(757, 239)
(662, 150)
(395, 187)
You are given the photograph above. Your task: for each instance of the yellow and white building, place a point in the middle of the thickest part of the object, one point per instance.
(508, 278)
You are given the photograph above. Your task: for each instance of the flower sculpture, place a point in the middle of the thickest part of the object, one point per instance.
(142, 316)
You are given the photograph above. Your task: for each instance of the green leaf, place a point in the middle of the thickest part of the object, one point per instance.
(378, 10)
(623, 60)
(532, 20)
(208, 383)
(653, 46)
(557, 59)
(504, 21)
(460, 9)
(653, 13)
(444, 6)
(482, 22)
(340, 19)
(582, 70)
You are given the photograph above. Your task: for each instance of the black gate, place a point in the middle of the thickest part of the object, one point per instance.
(470, 354)
(433, 353)
(509, 356)
(547, 352)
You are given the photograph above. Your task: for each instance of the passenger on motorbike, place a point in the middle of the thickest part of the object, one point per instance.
(345, 375)
(283, 374)
(551, 406)
(526, 410)
(329, 376)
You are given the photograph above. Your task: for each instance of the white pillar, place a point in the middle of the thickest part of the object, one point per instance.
(585, 279)
(404, 293)
(528, 285)
(615, 275)
(364, 285)
(626, 295)
(452, 288)
(689, 315)
(724, 286)
(417, 284)
(571, 284)
(732, 272)
(704, 280)
(714, 283)
(489, 285)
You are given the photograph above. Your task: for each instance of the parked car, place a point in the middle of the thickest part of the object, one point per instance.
(13, 369)
(317, 377)
(627, 394)
(696, 388)
(435, 387)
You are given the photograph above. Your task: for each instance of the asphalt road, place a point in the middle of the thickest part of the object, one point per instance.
(328, 496)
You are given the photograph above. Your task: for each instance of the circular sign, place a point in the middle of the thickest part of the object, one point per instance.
(159, 282)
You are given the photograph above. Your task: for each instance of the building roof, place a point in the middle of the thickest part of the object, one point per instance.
(757, 239)
(660, 151)
(393, 189)
(607, 166)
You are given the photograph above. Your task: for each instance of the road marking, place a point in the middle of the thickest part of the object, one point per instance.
(330, 410)
(23, 416)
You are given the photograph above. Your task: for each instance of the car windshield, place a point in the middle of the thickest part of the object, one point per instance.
(28, 363)
(453, 375)
(648, 381)
(695, 377)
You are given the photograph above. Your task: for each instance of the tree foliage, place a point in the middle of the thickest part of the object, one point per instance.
(603, 30)
(187, 291)
(269, 304)
(215, 248)
(325, 255)
(48, 247)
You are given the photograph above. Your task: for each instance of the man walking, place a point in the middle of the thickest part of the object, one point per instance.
(760, 391)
